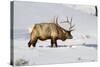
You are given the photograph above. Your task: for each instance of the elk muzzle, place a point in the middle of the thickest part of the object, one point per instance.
(70, 37)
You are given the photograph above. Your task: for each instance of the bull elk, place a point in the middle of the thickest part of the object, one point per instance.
(53, 31)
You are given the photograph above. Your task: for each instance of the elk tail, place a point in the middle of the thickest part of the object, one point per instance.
(30, 29)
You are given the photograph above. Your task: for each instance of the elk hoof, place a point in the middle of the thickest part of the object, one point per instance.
(31, 46)
(54, 46)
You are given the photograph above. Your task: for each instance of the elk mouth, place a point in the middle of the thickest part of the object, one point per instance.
(70, 37)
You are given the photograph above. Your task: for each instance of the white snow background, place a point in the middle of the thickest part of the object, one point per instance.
(85, 34)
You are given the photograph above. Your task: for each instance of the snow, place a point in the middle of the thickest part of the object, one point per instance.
(48, 55)
(87, 9)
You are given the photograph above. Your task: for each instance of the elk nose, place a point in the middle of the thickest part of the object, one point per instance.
(70, 37)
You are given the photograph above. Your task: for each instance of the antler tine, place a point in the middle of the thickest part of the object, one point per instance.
(56, 20)
(71, 22)
(71, 19)
(71, 26)
(67, 20)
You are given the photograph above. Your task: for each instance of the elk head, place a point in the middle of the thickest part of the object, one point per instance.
(66, 32)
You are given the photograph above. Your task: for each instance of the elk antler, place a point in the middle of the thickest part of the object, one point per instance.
(56, 20)
(67, 20)
(70, 24)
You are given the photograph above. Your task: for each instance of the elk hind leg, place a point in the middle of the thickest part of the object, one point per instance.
(34, 43)
(29, 43)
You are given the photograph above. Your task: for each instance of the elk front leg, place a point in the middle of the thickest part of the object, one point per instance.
(56, 43)
(53, 42)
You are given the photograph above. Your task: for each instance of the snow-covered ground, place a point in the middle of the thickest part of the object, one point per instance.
(48, 55)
